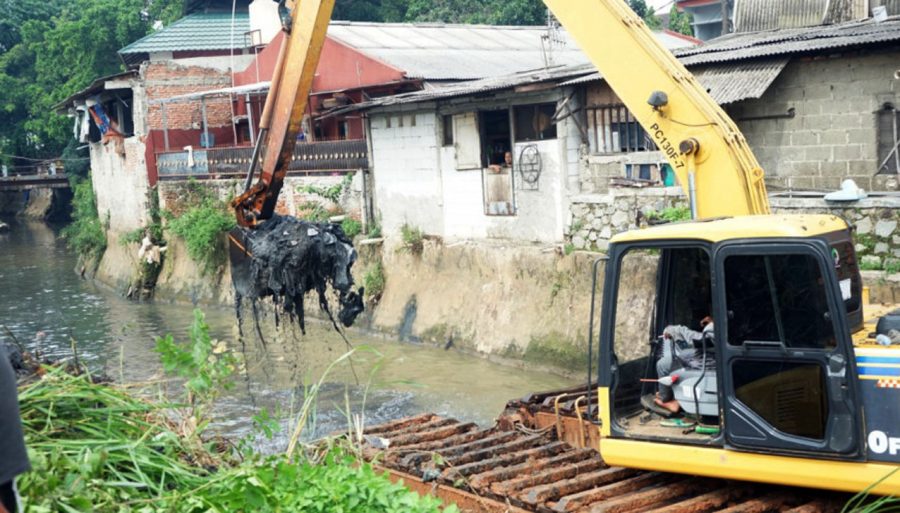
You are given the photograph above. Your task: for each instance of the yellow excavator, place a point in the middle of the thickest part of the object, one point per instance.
(789, 387)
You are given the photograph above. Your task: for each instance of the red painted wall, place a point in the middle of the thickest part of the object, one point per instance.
(340, 67)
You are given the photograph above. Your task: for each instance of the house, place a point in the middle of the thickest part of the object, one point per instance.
(758, 15)
(817, 105)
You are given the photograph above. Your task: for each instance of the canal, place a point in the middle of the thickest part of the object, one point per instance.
(49, 308)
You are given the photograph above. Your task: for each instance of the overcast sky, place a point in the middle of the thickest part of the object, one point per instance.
(660, 4)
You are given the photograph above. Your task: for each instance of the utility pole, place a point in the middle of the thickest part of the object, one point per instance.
(726, 22)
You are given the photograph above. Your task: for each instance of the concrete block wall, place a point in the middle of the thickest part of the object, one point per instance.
(165, 79)
(833, 134)
(407, 179)
(119, 176)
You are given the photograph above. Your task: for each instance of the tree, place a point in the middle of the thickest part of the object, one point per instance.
(681, 21)
(646, 13)
(56, 50)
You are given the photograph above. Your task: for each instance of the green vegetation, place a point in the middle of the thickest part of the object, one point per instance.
(413, 239)
(332, 193)
(680, 21)
(206, 364)
(556, 349)
(201, 228)
(671, 214)
(96, 447)
(374, 229)
(646, 13)
(313, 211)
(50, 49)
(568, 248)
(494, 12)
(351, 227)
(86, 234)
(373, 281)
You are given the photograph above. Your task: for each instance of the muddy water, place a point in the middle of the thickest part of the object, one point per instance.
(46, 306)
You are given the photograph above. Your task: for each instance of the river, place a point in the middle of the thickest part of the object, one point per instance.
(47, 306)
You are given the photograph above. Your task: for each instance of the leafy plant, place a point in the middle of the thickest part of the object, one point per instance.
(351, 227)
(671, 214)
(332, 193)
(201, 228)
(206, 364)
(85, 234)
(313, 211)
(374, 229)
(568, 248)
(412, 239)
(373, 281)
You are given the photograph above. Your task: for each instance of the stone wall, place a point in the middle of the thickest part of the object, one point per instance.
(597, 217)
(833, 133)
(875, 220)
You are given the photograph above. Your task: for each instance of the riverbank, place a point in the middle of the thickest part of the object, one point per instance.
(97, 447)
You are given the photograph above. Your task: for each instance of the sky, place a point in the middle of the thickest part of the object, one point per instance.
(660, 4)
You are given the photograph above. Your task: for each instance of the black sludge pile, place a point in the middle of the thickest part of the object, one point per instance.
(286, 257)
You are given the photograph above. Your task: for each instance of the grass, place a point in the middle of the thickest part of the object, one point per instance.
(413, 239)
(671, 214)
(351, 227)
(374, 280)
(86, 234)
(97, 447)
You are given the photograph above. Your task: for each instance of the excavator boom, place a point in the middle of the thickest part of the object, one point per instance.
(710, 157)
(284, 110)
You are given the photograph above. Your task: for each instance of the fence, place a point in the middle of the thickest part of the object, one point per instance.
(309, 159)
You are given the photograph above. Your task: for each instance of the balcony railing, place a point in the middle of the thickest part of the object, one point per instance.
(310, 159)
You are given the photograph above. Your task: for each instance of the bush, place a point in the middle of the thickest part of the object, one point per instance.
(201, 227)
(351, 227)
(412, 239)
(671, 214)
(373, 281)
(86, 234)
(374, 230)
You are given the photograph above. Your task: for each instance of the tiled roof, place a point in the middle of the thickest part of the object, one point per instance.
(198, 31)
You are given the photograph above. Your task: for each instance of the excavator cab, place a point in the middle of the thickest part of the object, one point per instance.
(774, 375)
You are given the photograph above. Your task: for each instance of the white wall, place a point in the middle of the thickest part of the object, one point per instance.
(417, 182)
(406, 175)
(120, 183)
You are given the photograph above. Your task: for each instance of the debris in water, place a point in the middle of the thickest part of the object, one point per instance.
(285, 258)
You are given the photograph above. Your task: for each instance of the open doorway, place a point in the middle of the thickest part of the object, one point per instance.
(496, 162)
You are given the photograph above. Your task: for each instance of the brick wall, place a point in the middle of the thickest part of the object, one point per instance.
(165, 79)
(833, 133)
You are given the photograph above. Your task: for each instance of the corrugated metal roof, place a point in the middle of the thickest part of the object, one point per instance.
(726, 82)
(770, 43)
(437, 51)
(732, 82)
(555, 75)
(893, 6)
(756, 15)
(198, 31)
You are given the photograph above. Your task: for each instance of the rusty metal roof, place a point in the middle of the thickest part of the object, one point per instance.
(794, 41)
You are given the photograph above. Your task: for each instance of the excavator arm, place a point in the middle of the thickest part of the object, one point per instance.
(284, 109)
(710, 157)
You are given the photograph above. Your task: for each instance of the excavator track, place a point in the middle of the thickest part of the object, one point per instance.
(514, 468)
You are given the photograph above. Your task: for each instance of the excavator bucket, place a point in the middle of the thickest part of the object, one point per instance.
(240, 258)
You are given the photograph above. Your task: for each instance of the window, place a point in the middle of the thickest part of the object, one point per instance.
(496, 162)
(788, 395)
(888, 140)
(534, 122)
(612, 129)
(447, 124)
(777, 299)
